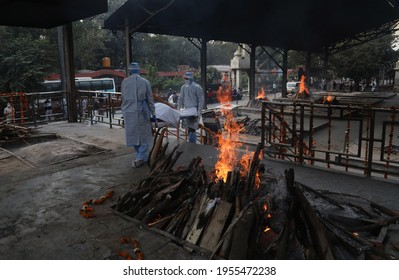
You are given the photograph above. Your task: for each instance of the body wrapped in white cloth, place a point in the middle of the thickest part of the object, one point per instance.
(167, 115)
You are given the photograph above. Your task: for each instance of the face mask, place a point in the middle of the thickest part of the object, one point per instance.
(8, 105)
(187, 82)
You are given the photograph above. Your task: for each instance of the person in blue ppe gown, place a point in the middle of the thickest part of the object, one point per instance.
(137, 107)
(191, 96)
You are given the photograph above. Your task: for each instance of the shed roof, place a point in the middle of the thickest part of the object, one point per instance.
(48, 13)
(290, 24)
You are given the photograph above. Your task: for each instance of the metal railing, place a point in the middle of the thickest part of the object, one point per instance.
(356, 139)
(92, 107)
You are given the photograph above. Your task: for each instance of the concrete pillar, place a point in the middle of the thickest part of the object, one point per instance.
(128, 47)
(71, 96)
(396, 81)
(252, 73)
(203, 59)
(285, 74)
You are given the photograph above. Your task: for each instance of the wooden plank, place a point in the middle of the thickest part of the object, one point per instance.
(195, 232)
(381, 236)
(213, 231)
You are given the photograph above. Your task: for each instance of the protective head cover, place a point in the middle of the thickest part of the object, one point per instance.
(8, 105)
(188, 77)
(134, 68)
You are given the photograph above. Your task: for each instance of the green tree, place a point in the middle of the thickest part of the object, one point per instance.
(26, 57)
(220, 53)
(89, 43)
(212, 76)
(364, 61)
(153, 77)
(173, 84)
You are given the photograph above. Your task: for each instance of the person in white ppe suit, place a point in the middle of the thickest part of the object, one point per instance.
(137, 108)
(191, 98)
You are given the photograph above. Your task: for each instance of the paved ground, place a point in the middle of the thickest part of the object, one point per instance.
(40, 206)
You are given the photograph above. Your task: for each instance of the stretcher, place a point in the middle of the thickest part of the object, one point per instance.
(166, 115)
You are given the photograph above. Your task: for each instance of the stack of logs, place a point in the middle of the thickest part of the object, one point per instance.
(280, 219)
(10, 131)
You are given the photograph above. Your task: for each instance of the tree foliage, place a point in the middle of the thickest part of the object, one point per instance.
(26, 56)
(364, 61)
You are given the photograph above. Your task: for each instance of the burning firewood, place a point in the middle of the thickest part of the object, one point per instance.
(250, 212)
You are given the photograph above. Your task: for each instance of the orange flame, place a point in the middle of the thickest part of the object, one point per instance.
(330, 98)
(223, 95)
(228, 141)
(261, 94)
(245, 161)
(268, 216)
(302, 85)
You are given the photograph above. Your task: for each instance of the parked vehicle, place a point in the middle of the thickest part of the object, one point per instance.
(292, 87)
(211, 93)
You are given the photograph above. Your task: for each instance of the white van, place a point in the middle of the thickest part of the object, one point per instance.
(292, 87)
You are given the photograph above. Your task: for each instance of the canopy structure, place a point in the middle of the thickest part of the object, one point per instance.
(308, 25)
(48, 13)
(52, 13)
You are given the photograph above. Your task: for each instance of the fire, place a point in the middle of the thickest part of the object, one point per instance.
(228, 141)
(224, 96)
(245, 161)
(329, 98)
(302, 85)
(261, 94)
(268, 217)
(257, 179)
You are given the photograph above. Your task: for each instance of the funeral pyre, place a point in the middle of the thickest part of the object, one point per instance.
(11, 132)
(243, 210)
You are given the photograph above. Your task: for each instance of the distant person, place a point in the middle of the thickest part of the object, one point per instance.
(137, 107)
(84, 107)
(96, 110)
(373, 86)
(334, 85)
(170, 92)
(274, 88)
(48, 109)
(65, 108)
(172, 100)
(191, 98)
(9, 113)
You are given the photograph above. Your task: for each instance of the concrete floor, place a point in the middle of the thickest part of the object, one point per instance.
(40, 206)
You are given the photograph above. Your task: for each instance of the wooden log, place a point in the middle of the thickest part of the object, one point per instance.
(383, 209)
(281, 251)
(164, 207)
(325, 197)
(171, 188)
(318, 233)
(214, 230)
(157, 146)
(377, 224)
(378, 242)
(228, 233)
(195, 232)
(173, 161)
(242, 231)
